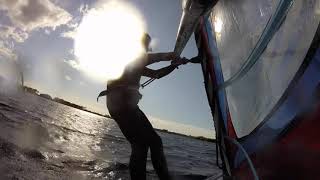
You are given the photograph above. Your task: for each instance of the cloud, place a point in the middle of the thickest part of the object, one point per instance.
(34, 14)
(71, 51)
(72, 26)
(7, 54)
(74, 23)
(10, 33)
(84, 8)
(25, 16)
(67, 77)
(70, 34)
(73, 63)
(47, 31)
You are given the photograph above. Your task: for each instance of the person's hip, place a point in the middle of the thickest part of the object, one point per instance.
(119, 101)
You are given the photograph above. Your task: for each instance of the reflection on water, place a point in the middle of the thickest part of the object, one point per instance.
(71, 143)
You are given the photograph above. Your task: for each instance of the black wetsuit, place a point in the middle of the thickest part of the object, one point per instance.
(122, 102)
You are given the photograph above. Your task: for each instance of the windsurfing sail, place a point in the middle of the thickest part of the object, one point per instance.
(261, 67)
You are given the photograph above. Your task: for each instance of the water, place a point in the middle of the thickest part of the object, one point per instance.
(41, 139)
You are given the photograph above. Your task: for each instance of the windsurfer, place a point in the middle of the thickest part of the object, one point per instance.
(122, 102)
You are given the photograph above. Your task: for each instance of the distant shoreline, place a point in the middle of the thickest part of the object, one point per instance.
(64, 102)
(60, 101)
(184, 135)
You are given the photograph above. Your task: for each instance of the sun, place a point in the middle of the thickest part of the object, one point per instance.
(108, 38)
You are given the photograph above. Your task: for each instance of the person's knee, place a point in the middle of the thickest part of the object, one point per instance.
(138, 152)
(156, 141)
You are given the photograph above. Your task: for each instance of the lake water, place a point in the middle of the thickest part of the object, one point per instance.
(41, 139)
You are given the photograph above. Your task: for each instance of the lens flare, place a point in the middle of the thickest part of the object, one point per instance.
(108, 38)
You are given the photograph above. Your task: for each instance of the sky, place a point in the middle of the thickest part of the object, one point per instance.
(39, 36)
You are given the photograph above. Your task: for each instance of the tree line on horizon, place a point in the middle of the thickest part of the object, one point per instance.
(59, 100)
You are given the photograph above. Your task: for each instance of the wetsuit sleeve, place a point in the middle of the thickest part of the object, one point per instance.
(157, 57)
(196, 60)
(158, 73)
(149, 73)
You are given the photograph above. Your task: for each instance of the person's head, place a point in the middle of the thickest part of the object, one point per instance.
(146, 40)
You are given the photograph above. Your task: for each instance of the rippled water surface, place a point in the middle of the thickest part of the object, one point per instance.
(41, 139)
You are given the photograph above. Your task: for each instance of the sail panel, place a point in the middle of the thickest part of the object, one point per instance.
(251, 98)
(290, 136)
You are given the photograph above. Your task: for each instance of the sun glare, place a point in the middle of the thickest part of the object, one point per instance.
(218, 24)
(108, 38)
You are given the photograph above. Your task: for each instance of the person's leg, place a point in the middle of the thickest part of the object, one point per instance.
(131, 127)
(158, 158)
(138, 160)
(157, 155)
(139, 132)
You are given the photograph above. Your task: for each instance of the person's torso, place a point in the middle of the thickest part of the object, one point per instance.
(125, 90)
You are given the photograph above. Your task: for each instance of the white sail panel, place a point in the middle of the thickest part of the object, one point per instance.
(237, 26)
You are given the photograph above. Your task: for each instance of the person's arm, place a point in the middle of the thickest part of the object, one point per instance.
(157, 57)
(196, 60)
(157, 74)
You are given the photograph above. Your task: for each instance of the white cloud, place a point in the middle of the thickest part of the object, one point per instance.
(24, 16)
(67, 77)
(84, 8)
(9, 33)
(7, 54)
(71, 51)
(74, 23)
(73, 63)
(72, 28)
(47, 31)
(70, 34)
(34, 14)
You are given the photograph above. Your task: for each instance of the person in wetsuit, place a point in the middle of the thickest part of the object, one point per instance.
(122, 102)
